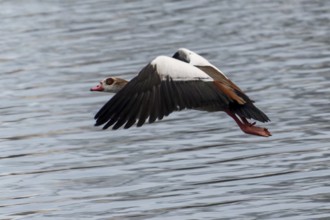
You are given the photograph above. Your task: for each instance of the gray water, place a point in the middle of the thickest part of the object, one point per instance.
(55, 164)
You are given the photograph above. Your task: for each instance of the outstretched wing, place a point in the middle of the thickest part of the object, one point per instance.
(161, 87)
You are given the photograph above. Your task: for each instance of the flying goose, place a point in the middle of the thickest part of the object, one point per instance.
(167, 84)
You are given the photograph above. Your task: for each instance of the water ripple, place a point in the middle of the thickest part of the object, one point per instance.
(192, 165)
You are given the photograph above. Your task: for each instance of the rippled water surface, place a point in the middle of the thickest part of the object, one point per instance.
(55, 164)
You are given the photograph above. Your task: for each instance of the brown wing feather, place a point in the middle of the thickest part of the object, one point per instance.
(240, 104)
(229, 91)
(224, 84)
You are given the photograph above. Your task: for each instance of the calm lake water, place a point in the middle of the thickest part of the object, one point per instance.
(55, 164)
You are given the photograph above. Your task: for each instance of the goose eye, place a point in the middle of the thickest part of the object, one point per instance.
(109, 81)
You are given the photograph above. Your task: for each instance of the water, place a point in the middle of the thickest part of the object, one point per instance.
(55, 164)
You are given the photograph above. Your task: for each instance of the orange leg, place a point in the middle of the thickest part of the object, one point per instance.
(249, 128)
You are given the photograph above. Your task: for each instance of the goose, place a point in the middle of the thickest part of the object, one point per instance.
(167, 84)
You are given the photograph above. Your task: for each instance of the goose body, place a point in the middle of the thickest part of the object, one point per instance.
(166, 84)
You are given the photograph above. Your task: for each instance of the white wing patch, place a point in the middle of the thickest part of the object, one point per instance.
(178, 70)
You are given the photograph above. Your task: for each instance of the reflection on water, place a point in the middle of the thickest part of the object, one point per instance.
(192, 165)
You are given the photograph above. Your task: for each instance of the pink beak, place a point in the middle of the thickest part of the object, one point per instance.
(98, 88)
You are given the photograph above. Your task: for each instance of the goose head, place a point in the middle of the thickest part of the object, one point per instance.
(110, 84)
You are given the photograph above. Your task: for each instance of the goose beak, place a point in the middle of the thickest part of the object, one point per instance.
(98, 88)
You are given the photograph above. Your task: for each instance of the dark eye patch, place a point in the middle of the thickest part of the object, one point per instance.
(109, 81)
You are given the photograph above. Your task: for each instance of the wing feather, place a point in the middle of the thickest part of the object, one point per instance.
(159, 89)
